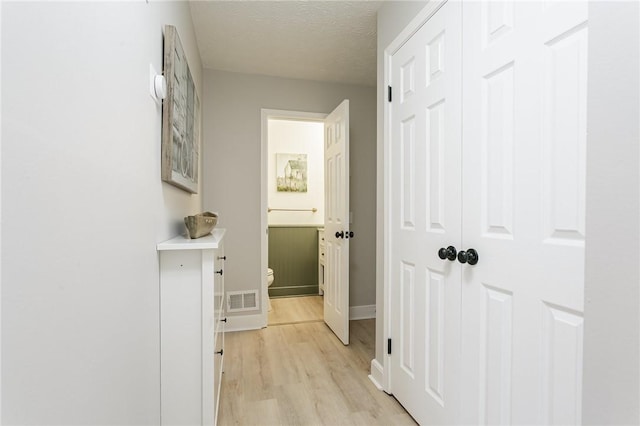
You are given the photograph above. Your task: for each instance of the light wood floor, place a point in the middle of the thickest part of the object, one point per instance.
(301, 374)
(288, 310)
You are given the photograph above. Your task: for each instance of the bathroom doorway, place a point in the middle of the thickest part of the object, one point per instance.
(293, 196)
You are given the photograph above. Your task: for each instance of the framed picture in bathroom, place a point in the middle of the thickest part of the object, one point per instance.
(291, 172)
(180, 118)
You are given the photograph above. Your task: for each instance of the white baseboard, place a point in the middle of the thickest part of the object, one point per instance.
(244, 322)
(377, 374)
(256, 321)
(362, 312)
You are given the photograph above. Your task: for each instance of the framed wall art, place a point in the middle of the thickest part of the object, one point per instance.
(180, 118)
(291, 172)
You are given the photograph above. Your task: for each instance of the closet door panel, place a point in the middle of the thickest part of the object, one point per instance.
(524, 85)
(425, 211)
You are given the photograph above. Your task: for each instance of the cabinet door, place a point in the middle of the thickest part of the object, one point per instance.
(218, 361)
(219, 315)
(209, 320)
(181, 336)
(524, 85)
(220, 263)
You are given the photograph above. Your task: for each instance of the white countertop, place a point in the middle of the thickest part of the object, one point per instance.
(183, 242)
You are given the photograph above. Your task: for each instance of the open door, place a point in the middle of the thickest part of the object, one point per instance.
(336, 221)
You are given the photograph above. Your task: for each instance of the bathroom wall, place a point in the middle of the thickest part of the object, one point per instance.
(231, 162)
(83, 207)
(293, 256)
(296, 137)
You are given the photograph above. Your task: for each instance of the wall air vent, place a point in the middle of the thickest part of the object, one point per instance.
(238, 301)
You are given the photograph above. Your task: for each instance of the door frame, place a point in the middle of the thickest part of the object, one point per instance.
(265, 115)
(416, 23)
(0, 223)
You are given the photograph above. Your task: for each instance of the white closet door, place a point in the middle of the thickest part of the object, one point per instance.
(524, 132)
(424, 217)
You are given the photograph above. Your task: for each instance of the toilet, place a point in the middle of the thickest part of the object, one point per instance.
(269, 282)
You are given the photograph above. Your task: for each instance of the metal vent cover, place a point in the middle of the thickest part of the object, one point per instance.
(238, 301)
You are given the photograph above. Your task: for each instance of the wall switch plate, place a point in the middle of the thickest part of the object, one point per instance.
(152, 91)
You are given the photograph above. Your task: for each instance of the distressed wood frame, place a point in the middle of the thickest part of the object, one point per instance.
(180, 118)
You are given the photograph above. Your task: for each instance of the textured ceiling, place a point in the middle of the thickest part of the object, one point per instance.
(312, 40)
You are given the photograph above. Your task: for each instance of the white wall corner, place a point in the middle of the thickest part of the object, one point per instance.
(362, 312)
(245, 322)
(377, 374)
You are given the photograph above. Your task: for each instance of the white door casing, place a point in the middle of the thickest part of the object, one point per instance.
(336, 223)
(425, 209)
(524, 140)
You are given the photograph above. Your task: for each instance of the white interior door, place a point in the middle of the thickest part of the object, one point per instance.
(425, 179)
(524, 139)
(336, 221)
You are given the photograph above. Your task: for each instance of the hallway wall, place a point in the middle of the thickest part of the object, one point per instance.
(231, 162)
(83, 207)
(611, 381)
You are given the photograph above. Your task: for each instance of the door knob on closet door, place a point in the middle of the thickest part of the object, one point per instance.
(470, 256)
(447, 253)
(340, 234)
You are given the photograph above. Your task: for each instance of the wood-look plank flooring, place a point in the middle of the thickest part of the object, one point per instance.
(301, 374)
(288, 310)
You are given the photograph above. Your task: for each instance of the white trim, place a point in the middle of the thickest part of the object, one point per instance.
(0, 224)
(416, 23)
(362, 312)
(377, 374)
(244, 322)
(412, 27)
(264, 225)
(265, 115)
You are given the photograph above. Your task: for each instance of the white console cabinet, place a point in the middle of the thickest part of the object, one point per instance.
(191, 328)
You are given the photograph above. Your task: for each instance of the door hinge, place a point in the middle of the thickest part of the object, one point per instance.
(390, 93)
(388, 346)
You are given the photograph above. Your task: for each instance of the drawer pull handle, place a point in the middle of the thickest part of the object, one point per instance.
(220, 352)
(224, 320)
(219, 272)
(222, 257)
